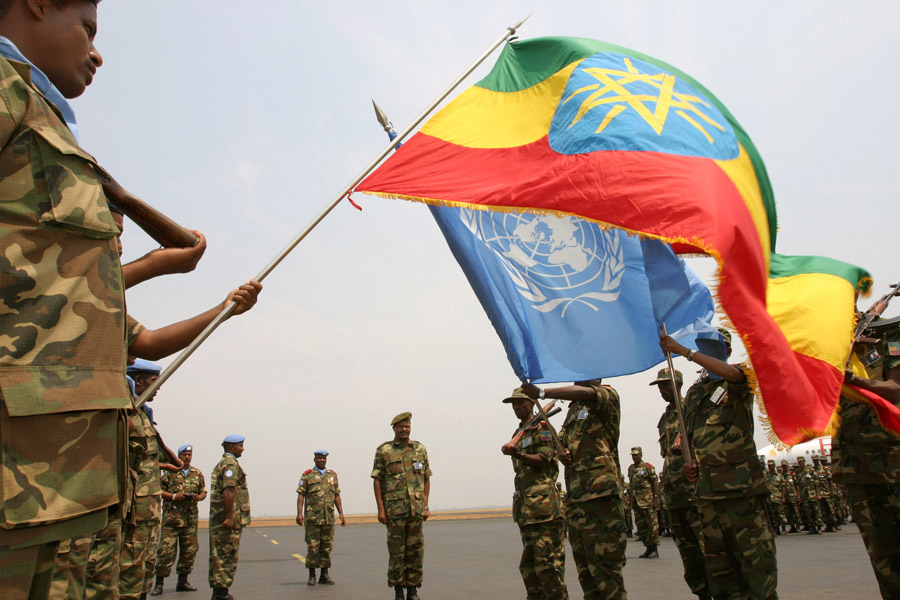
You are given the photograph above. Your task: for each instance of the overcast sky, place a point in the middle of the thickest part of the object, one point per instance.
(244, 119)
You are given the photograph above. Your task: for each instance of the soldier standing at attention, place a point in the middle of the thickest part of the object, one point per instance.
(738, 542)
(537, 507)
(866, 459)
(644, 494)
(594, 510)
(229, 513)
(682, 502)
(181, 491)
(808, 490)
(402, 483)
(775, 501)
(319, 491)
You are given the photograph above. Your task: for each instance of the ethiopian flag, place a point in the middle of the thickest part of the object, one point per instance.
(572, 126)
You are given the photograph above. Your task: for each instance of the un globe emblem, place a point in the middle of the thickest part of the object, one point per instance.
(554, 261)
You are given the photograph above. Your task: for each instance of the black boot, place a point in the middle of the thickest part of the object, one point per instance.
(157, 586)
(312, 577)
(143, 596)
(412, 593)
(654, 552)
(183, 584)
(646, 553)
(398, 592)
(324, 578)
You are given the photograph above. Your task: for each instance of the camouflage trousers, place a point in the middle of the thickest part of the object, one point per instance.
(173, 539)
(629, 524)
(686, 532)
(27, 572)
(876, 511)
(319, 542)
(102, 581)
(826, 509)
(810, 514)
(224, 547)
(792, 514)
(739, 549)
(138, 549)
(776, 512)
(647, 526)
(597, 536)
(70, 569)
(543, 563)
(406, 550)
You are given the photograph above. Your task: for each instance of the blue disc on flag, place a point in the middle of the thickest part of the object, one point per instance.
(616, 102)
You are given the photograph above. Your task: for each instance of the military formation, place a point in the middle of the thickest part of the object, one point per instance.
(96, 505)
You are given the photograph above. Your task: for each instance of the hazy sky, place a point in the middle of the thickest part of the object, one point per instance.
(244, 119)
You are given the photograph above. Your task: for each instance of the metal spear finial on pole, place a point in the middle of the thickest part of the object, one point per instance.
(228, 310)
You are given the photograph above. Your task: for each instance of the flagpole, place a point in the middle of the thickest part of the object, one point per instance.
(685, 447)
(228, 310)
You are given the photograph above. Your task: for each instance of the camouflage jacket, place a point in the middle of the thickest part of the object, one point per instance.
(591, 435)
(677, 491)
(402, 470)
(640, 482)
(61, 314)
(719, 421)
(824, 482)
(775, 483)
(318, 493)
(228, 473)
(807, 484)
(143, 466)
(536, 499)
(183, 513)
(789, 488)
(862, 451)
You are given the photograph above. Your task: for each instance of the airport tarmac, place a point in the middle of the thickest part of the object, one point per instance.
(479, 559)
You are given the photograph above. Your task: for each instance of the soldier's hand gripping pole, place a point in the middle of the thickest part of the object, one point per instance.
(685, 447)
(520, 432)
(226, 312)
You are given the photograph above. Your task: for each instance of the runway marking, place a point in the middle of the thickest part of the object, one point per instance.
(300, 558)
(274, 542)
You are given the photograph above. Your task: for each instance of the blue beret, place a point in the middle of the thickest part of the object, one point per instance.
(186, 448)
(143, 366)
(321, 452)
(233, 439)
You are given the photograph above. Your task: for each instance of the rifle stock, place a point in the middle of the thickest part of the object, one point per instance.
(157, 225)
(520, 432)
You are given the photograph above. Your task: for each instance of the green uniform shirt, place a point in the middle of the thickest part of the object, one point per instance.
(536, 499)
(591, 435)
(228, 473)
(720, 428)
(677, 491)
(183, 513)
(319, 492)
(402, 470)
(640, 482)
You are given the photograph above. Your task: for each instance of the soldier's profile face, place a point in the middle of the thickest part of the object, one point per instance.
(186, 457)
(665, 390)
(67, 54)
(523, 408)
(636, 457)
(235, 450)
(320, 459)
(402, 429)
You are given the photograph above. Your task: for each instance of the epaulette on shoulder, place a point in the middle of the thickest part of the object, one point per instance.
(333, 471)
(307, 472)
(651, 466)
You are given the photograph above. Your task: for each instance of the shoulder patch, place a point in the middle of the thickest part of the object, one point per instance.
(229, 473)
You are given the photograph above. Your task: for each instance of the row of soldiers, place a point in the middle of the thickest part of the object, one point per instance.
(805, 496)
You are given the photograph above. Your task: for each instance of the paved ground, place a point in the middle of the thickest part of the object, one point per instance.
(479, 559)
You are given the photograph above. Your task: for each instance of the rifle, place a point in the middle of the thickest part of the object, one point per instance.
(157, 225)
(535, 420)
(873, 313)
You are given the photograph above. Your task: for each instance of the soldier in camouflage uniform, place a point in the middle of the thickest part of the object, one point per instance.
(320, 492)
(808, 490)
(229, 514)
(679, 493)
(61, 368)
(594, 510)
(738, 542)
(644, 493)
(790, 499)
(662, 515)
(402, 483)
(181, 491)
(775, 500)
(826, 501)
(537, 507)
(866, 460)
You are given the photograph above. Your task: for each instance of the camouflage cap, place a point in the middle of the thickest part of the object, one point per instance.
(517, 394)
(637, 450)
(404, 416)
(784, 462)
(726, 335)
(770, 462)
(815, 457)
(664, 375)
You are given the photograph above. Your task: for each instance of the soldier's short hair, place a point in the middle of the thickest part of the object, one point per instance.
(5, 5)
